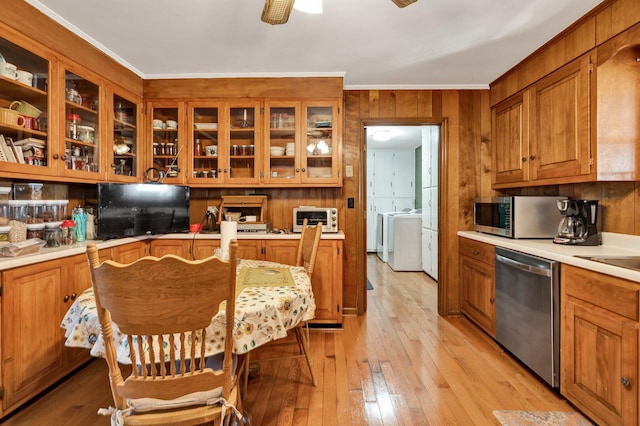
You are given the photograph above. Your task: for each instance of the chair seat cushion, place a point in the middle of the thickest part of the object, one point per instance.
(143, 405)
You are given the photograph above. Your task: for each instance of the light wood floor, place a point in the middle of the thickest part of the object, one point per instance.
(400, 364)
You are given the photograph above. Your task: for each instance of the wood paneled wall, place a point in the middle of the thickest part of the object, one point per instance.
(466, 128)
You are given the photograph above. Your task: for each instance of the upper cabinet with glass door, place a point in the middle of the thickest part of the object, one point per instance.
(320, 163)
(168, 153)
(125, 151)
(282, 143)
(25, 145)
(81, 151)
(244, 148)
(205, 153)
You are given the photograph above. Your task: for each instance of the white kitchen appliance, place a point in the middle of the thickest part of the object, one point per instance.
(382, 234)
(405, 242)
(327, 217)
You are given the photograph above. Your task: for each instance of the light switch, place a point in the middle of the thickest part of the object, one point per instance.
(348, 170)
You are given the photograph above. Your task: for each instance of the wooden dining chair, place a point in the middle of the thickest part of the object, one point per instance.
(306, 257)
(161, 303)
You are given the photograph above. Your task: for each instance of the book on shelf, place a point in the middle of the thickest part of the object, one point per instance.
(3, 155)
(8, 152)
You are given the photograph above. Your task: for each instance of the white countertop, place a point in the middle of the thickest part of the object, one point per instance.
(612, 245)
(46, 254)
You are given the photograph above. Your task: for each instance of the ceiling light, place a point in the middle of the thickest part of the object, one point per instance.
(308, 6)
(403, 3)
(381, 135)
(276, 11)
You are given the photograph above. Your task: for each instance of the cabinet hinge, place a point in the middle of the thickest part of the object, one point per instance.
(590, 161)
(1, 392)
(1, 291)
(338, 308)
(261, 110)
(590, 66)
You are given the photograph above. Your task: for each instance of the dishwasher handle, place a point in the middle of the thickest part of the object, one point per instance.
(545, 272)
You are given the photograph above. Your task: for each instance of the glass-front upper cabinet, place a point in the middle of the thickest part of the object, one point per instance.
(125, 147)
(244, 149)
(82, 127)
(320, 156)
(282, 142)
(205, 148)
(168, 153)
(25, 146)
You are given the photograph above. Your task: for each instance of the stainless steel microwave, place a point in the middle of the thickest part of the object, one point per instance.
(518, 216)
(326, 216)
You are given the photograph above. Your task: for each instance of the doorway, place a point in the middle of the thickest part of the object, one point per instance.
(402, 178)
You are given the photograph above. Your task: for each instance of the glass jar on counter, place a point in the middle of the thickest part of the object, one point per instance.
(18, 220)
(53, 236)
(69, 232)
(35, 211)
(35, 230)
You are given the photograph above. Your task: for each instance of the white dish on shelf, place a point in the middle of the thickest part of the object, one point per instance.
(206, 126)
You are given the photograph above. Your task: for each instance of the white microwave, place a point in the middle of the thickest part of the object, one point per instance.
(326, 216)
(517, 216)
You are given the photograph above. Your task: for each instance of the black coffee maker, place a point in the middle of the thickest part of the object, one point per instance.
(578, 224)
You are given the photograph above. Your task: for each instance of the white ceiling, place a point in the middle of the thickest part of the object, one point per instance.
(372, 43)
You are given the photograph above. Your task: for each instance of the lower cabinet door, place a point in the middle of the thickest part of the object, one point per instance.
(600, 363)
(32, 340)
(478, 293)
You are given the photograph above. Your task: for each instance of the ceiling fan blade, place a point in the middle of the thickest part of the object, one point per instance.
(403, 3)
(277, 11)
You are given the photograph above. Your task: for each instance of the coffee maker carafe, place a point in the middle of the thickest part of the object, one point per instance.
(578, 224)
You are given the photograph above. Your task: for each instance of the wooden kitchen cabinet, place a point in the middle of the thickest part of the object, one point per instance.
(542, 134)
(37, 160)
(32, 340)
(510, 121)
(124, 149)
(130, 252)
(81, 151)
(159, 248)
(477, 279)
(166, 124)
(599, 362)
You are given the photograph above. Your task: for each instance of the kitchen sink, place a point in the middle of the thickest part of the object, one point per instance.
(629, 262)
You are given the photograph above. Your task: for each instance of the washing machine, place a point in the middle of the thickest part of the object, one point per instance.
(404, 250)
(382, 234)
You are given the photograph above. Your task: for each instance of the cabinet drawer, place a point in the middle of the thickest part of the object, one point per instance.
(475, 249)
(616, 295)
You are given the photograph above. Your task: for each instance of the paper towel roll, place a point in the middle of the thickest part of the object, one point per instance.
(228, 232)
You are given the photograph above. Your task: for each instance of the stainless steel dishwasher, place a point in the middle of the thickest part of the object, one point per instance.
(528, 311)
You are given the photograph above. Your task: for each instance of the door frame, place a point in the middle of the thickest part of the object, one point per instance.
(361, 220)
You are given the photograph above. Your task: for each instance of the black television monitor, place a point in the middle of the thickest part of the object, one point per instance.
(126, 210)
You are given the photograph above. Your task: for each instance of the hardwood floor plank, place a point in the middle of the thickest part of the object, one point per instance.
(399, 364)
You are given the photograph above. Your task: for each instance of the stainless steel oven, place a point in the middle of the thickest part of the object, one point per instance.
(528, 311)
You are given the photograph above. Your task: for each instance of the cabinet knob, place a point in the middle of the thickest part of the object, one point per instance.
(64, 157)
(303, 170)
(524, 159)
(625, 382)
(66, 298)
(56, 156)
(532, 157)
(475, 252)
(297, 170)
(492, 300)
(73, 296)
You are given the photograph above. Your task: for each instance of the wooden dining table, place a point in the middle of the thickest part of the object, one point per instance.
(271, 299)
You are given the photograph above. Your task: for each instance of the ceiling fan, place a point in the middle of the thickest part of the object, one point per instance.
(277, 12)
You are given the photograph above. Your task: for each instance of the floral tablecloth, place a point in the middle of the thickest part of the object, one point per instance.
(263, 314)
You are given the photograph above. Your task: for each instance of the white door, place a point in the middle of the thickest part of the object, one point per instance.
(426, 251)
(404, 173)
(426, 208)
(433, 240)
(383, 173)
(433, 199)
